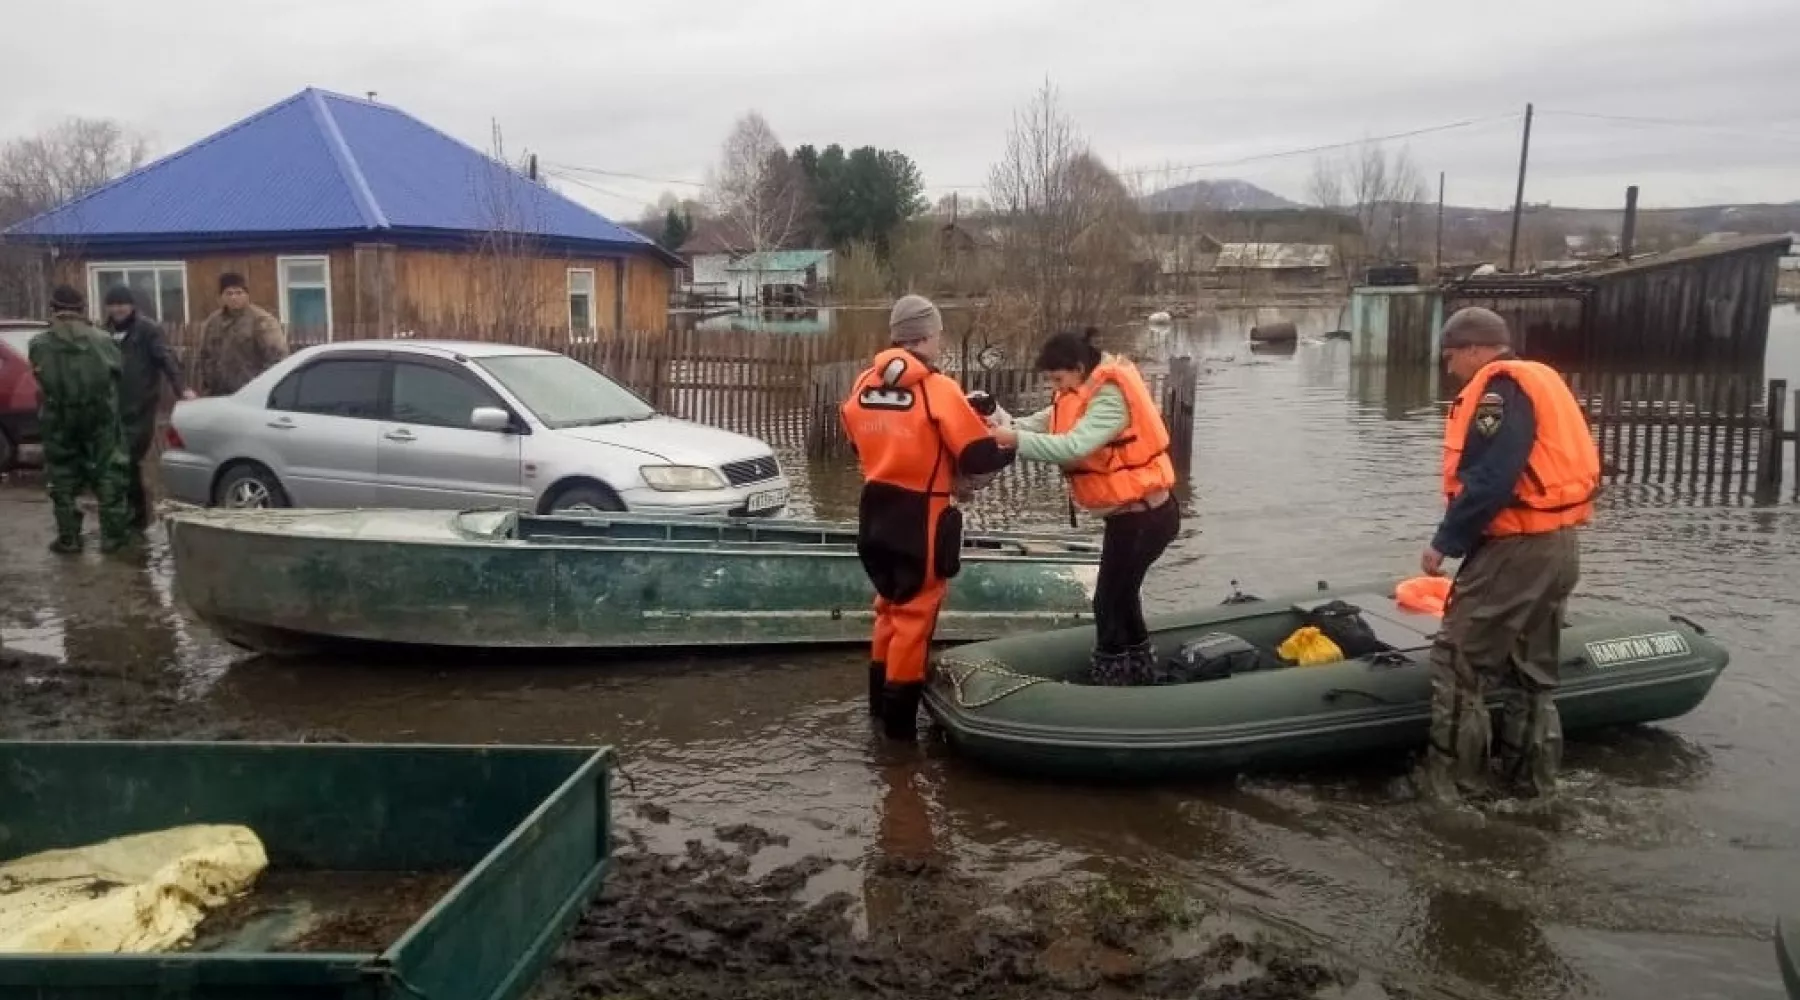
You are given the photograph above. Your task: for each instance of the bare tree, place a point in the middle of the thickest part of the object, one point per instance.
(1067, 225)
(756, 191)
(53, 168)
(508, 281)
(1385, 193)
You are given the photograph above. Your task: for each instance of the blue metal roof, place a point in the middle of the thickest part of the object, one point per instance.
(322, 168)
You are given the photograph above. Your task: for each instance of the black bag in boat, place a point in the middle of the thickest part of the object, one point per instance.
(1343, 624)
(1211, 657)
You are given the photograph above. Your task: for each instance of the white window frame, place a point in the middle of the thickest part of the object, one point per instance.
(94, 267)
(281, 287)
(593, 294)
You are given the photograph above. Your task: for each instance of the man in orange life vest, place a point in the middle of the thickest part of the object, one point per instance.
(1520, 472)
(914, 434)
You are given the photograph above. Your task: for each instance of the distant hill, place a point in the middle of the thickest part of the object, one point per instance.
(1217, 196)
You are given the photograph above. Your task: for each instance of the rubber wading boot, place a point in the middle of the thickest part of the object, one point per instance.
(1109, 669)
(877, 680)
(1142, 658)
(900, 710)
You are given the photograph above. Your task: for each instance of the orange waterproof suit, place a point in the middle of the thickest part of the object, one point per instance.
(913, 432)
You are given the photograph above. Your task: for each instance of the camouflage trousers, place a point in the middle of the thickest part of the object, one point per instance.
(85, 453)
(1502, 634)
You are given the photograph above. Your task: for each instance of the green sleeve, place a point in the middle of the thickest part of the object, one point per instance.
(1104, 418)
(1037, 423)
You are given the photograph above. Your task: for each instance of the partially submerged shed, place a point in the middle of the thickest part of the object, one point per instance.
(1706, 304)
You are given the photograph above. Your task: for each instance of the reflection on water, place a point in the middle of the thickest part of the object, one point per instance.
(1658, 873)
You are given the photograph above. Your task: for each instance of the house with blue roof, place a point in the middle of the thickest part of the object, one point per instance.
(350, 218)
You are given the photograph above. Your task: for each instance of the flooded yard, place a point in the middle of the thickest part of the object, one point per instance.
(775, 847)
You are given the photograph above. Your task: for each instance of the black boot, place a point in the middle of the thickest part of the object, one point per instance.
(900, 710)
(1142, 662)
(877, 679)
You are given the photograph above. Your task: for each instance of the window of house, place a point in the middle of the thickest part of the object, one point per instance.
(581, 303)
(160, 287)
(437, 398)
(305, 290)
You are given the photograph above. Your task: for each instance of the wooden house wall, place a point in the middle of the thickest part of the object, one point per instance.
(378, 287)
(205, 270)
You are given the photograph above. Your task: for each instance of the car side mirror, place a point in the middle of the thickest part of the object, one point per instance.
(490, 418)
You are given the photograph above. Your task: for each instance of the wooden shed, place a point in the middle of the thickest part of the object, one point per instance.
(1701, 305)
(351, 218)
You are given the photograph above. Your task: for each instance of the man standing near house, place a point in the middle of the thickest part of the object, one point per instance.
(238, 342)
(77, 369)
(147, 365)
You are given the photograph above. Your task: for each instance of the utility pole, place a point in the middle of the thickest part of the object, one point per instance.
(1628, 230)
(1438, 260)
(1512, 247)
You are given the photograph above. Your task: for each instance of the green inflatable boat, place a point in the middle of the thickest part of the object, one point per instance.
(1018, 702)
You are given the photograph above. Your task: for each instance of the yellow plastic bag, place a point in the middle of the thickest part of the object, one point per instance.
(1309, 647)
(141, 893)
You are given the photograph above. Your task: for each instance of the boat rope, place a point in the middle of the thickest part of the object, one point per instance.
(960, 672)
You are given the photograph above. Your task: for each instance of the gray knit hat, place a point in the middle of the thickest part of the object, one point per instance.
(914, 319)
(1473, 326)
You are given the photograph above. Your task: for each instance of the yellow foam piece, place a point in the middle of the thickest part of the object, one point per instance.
(140, 893)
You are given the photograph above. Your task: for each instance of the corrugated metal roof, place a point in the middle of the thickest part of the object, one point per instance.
(1274, 255)
(321, 162)
(779, 260)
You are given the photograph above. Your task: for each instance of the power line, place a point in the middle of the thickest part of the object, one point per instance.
(626, 175)
(1760, 130)
(559, 175)
(1280, 154)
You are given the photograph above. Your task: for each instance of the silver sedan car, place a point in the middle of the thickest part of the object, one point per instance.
(434, 424)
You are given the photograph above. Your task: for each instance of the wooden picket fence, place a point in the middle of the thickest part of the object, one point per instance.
(774, 386)
(1716, 433)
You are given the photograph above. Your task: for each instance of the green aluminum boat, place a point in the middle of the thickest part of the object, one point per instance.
(295, 581)
(1013, 703)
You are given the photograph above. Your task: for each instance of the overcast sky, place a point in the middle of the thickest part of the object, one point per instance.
(652, 88)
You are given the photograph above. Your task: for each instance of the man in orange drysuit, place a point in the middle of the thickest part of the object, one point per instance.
(914, 433)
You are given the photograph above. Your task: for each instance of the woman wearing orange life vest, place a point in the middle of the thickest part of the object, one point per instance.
(1104, 430)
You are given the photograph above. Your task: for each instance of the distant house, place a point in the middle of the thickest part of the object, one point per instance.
(347, 215)
(1289, 265)
(1176, 260)
(752, 277)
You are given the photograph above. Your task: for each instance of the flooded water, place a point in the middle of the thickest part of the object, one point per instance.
(1659, 873)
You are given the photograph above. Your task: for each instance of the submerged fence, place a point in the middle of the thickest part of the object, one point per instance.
(1722, 434)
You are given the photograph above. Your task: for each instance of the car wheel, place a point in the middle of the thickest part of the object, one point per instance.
(583, 499)
(248, 487)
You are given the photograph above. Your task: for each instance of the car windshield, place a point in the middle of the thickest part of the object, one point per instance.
(563, 392)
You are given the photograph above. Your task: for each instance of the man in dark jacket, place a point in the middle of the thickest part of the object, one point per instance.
(147, 365)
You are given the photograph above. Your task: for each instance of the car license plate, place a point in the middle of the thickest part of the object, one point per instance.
(766, 500)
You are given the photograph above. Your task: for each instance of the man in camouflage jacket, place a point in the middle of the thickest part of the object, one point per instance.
(78, 369)
(238, 342)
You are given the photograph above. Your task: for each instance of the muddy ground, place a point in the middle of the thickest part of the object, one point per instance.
(699, 924)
